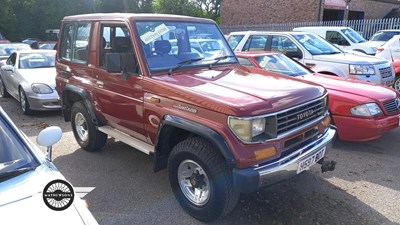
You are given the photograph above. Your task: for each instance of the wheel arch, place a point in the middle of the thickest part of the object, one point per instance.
(71, 94)
(174, 129)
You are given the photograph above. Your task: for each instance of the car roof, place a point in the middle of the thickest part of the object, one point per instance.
(269, 32)
(325, 27)
(255, 54)
(36, 51)
(133, 16)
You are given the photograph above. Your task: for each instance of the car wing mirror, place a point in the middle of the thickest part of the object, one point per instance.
(7, 68)
(294, 54)
(48, 137)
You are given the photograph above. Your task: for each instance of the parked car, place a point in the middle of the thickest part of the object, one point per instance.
(25, 172)
(29, 76)
(316, 53)
(381, 37)
(50, 45)
(7, 48)
(345, 38)
(361, 111)
(391, 49)
(30, 41)
(219, 129)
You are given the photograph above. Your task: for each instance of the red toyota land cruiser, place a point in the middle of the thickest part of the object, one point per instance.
(170, 86)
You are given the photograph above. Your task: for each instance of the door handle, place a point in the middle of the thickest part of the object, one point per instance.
(65, 74)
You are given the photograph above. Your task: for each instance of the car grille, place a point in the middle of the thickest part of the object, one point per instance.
(391, 107)
(385, 72)
(298, 116)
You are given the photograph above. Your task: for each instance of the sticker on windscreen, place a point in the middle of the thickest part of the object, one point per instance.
(153, 33)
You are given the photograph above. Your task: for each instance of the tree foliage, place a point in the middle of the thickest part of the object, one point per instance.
(21, 19)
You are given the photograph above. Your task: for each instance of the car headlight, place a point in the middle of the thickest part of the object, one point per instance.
(41, 89)
(362, 69)
(247, 129)
(369, 109)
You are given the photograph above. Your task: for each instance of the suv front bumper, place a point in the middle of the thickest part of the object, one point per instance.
(251, 179)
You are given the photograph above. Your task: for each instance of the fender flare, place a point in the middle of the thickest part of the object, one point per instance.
(67, 103)
(333, 70)
(217, 141)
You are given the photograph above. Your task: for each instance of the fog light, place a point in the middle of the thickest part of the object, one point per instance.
(265, 153)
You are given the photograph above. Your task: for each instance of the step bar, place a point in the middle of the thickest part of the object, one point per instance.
(129, 140)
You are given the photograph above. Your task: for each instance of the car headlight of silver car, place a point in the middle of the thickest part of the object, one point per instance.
(368, 110)
(41, 89)
(361, 69)
(247, 129)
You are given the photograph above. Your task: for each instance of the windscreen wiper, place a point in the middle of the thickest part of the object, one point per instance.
(186, 62)
(217, 59)
(10, 174)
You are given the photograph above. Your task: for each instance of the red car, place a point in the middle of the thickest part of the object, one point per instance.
(361, 111)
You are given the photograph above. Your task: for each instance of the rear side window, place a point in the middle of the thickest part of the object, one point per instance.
(283, 44)
(256, 43)
(74, 43)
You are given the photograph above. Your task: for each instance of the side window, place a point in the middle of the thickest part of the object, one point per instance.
(234, 40)
(256, 43)
(74, 44)
(283, 44)
(245, 62)
(336, 38)
(116, 39)
(11, 60)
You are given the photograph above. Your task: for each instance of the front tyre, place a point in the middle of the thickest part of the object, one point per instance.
(23, 100)
(85, 132)
(396, 84)
(201, 180)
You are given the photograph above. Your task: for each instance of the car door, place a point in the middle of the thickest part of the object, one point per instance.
(119, 98)
(8, 75)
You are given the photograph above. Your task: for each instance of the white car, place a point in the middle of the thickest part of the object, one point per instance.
(316, 53)
(345, 38)
(381, 37)
(391, 49)
(32, 190)
(29, 76)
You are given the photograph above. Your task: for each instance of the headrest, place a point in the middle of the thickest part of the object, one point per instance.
(121, 44)
(163, 46)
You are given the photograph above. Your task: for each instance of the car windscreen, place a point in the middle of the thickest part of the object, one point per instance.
(316, 45)
(384, 36)
(35, 60)
(279, 63)
(8, 49)
(353, 36)
(14, 155)
(170, 45)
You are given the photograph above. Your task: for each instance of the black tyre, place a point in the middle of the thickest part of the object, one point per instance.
(396, 84)
(23, 100)
(201, 180)
(3, 90)
(85, 132)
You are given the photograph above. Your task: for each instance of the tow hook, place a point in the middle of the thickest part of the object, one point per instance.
(327, 165)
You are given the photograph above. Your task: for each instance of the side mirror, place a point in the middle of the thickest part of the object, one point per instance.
(294, 54)
(7, 68)
(48, 137)
(113, 62)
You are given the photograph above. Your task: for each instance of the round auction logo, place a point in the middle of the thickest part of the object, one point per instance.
(58, 195)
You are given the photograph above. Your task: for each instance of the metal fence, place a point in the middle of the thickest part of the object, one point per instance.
(366, 27)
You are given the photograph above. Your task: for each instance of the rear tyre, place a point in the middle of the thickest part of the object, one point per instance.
(201, 180)
(3, 90)
(85, 132)
(396, 84)
(23, 100)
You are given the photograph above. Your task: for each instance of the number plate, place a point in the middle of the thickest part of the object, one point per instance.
(308, 162)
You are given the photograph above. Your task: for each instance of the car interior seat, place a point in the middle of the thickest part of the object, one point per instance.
(123, 46)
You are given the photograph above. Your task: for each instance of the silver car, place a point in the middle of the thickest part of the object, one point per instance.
(29, 76)
(32, 190)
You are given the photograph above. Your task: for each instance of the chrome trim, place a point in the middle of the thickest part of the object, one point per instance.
(285, 134)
